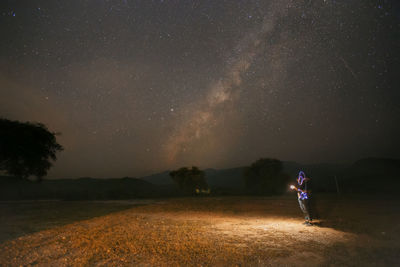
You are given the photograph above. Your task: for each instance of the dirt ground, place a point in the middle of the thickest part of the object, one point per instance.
(209, 231)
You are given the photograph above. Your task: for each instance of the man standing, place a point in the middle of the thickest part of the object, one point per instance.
(304, 196)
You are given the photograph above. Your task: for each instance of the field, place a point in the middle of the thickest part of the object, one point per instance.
(209, 231)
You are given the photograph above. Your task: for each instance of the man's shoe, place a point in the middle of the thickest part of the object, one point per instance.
(307, 224)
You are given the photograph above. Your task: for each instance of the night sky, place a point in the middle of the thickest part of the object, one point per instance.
(137, 87)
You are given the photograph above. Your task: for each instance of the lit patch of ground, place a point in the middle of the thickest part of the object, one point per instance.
(215, 232)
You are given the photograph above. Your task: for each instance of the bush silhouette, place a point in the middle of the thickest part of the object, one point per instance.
(26, 149)
(189, 180)
(265, 176)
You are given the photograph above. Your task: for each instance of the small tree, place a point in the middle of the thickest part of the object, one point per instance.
(265, 176)
(189, 180)
(26, 149)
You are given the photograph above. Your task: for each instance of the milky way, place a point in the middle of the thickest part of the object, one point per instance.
(137, 87)
(199, 133)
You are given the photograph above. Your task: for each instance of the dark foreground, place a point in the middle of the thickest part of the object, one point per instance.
(246, 231)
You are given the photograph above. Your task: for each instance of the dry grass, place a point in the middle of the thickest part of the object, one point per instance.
(234, 231)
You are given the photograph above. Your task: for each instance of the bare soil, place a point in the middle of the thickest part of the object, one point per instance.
(225, 231)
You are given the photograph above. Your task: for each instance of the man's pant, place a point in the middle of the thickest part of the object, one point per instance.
(305, 208)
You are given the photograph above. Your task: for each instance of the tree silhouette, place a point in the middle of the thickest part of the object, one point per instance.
(265, 176)
(26, 149)
(189, 180)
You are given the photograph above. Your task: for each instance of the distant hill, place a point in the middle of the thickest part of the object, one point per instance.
(318, 169)
(161, 178)
(373, 175)
(367, 175)
(231, 180)
(376, 167)
(225, 177)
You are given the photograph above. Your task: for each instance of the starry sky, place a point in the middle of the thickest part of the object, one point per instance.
(141, 86)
